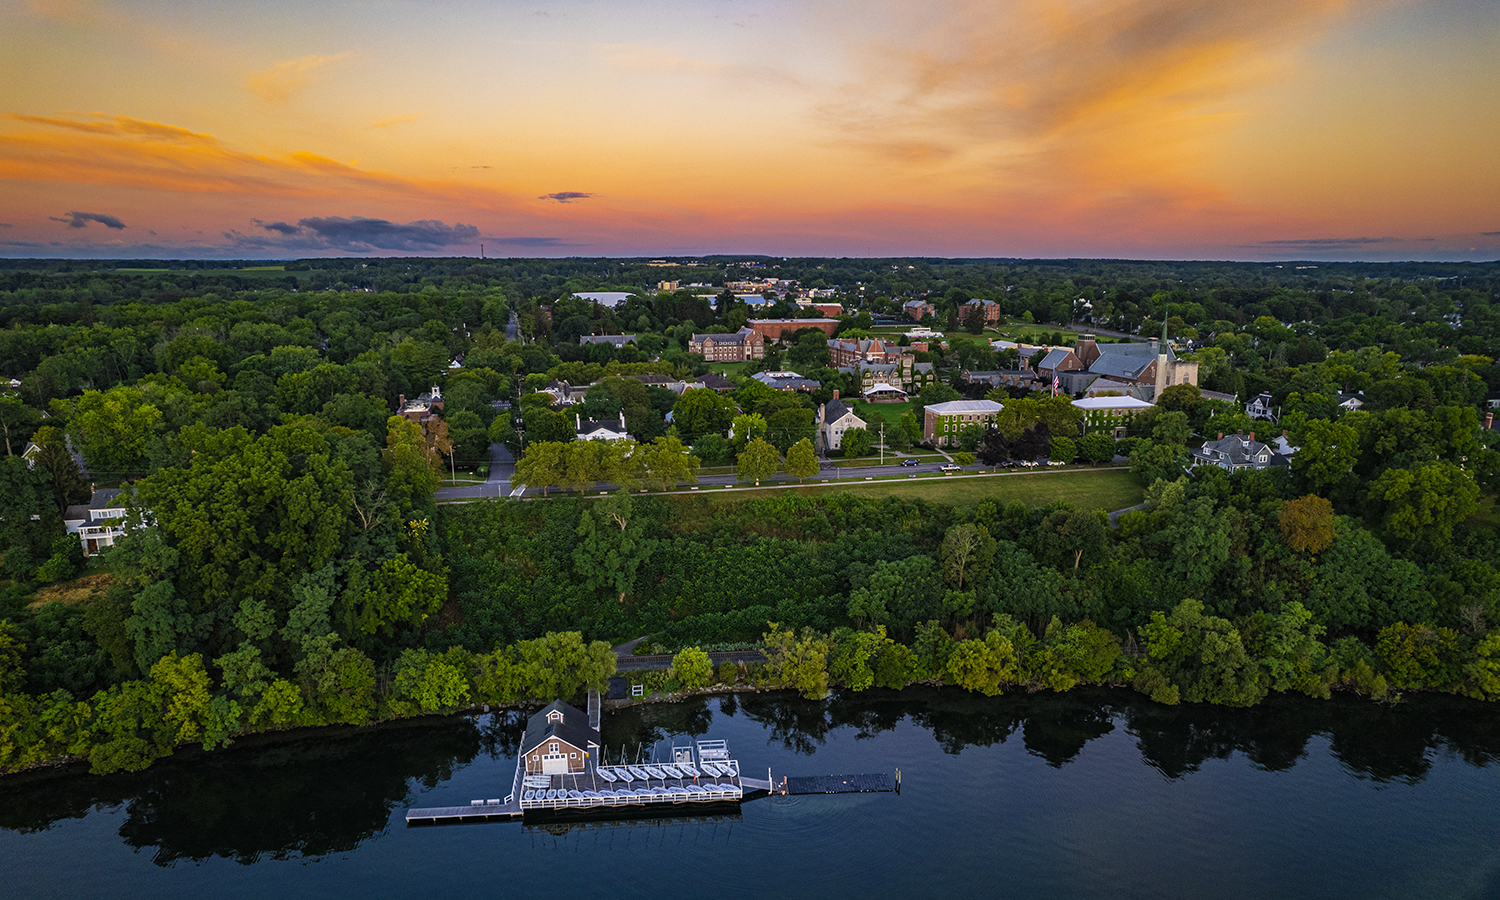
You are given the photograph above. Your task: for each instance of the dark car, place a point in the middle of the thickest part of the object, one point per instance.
(911, 462)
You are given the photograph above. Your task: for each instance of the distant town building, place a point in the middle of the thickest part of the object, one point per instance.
(743, 345)
(618, 340)
(942, 422)
(834, 418)
(1111, 413)
(775, 329)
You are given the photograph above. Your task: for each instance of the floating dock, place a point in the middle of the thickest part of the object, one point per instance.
(566, 778)
(879, 782)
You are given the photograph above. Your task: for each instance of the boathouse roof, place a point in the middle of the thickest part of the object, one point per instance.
(561, 721)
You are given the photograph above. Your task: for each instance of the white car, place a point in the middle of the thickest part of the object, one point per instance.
(950, 467)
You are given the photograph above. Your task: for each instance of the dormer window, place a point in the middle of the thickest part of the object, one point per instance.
(555, 716)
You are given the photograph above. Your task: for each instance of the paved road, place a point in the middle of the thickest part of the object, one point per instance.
(502, 467)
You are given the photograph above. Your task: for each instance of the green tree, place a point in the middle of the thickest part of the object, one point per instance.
(759, 460)
(856, 442)
(1197, 658)
(612, 546)
(1151, 462)
(400, 593)
(693, 668)
(668, 463)
(1425, 502)
(113, 429)
(249, 516)
(1062, 450)
(797, 662)
(786, 427)
(411, 472)
(700, 412)
(968, 551)
(1097, 448)
(748, 428)
(540, 466)
(801, 461)
(1325, 461)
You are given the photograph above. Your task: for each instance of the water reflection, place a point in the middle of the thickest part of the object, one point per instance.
(321, 794)
(326, 793)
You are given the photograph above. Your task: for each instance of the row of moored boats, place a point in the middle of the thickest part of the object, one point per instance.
(706, 791)
(677, 771)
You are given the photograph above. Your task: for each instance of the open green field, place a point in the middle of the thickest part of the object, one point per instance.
(1108, 490)
(891, 413)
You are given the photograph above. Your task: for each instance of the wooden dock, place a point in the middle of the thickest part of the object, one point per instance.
(477, 811)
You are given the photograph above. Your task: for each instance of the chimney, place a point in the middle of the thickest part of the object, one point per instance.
(835, 393)
(1489, 421)
(578, 421)
(1220, 437)
(1252, 435)
(1283, 432)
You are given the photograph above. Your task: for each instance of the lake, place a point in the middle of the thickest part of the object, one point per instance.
(1087, 794)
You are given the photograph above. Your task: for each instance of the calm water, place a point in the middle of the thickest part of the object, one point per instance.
(1082, 795)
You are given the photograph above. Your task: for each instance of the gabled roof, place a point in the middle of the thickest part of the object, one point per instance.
(1055, 358)
(1120, 365)
(573, 728)
(1236, 450)
(837, 409)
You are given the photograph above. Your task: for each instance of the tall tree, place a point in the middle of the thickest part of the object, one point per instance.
(759, 460)
(801, 461)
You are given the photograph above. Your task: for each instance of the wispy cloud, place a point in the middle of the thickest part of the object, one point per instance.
(565, 196)
(99, 123)
(1490, 233)
(1102, 101)
(280, 82)
(125, 152)
(82, 219)
(1328, 242)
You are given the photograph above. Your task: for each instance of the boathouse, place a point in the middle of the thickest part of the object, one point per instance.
(558, 740)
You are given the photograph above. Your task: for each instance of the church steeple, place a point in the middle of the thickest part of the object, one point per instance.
(1161, 363)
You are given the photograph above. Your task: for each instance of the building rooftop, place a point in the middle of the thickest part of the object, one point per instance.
(1111, 403)
(964, 407)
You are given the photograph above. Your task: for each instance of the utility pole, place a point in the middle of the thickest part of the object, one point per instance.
(882, 443)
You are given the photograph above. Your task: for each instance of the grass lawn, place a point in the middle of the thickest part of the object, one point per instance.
(1108, 490)
(1090, 490)
(78, 590)
(873, 413)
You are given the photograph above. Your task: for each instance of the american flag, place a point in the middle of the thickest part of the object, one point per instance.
(1055, 384)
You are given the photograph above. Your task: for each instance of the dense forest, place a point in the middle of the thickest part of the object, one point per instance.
(288, 563)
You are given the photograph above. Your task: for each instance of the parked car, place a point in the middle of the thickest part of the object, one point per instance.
(911, 461)
(949, 467)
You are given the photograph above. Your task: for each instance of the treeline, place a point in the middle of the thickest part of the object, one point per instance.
(128, 726)
(1182, 656)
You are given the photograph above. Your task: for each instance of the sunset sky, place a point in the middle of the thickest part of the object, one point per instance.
(1181, 129)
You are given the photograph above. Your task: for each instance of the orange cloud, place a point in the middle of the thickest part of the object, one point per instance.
(126, 152)
(1092, 101)
(280, 82)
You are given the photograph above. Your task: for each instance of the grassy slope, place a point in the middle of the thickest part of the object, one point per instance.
(1110, 490)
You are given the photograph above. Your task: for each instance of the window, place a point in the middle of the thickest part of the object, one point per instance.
(551, 748)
